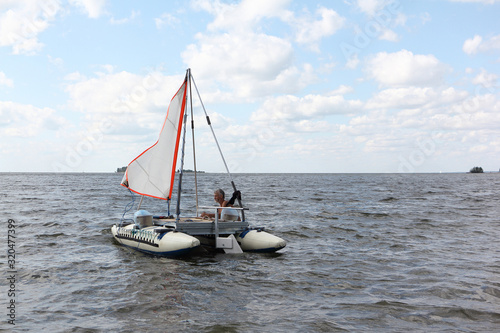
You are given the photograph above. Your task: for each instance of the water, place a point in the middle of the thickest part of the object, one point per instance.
(374, 252)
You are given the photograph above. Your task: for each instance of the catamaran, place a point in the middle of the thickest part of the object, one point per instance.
(153, 174)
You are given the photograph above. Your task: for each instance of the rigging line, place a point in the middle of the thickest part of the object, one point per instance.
(194, 150)
(127, 208)
(213, 133)
(218, 146)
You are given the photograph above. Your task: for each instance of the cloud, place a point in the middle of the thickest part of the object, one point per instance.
(124, 20)
(485, 79)
(251, 55)
(248, 65)
(245, 61)
(389, 35)
(22, 21)
(405, 68)
(370, 7)
(310, 31)
(433, 128)
(415, 97)
(471, 45)
(20, 120)
(93, 8)
(477, 44)
(292, 108)
(235, 54)
(5, 81)
(243, 16)
(166, 19)
(120, 93)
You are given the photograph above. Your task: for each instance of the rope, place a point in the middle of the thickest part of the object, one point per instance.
(213, 133)
(128, 207)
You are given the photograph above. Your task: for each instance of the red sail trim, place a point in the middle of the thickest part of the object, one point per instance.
(148, 195)
(181, 119)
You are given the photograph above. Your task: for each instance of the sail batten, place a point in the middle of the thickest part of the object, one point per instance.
(152, 173)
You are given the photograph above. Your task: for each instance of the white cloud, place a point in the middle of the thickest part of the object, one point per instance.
(312, 126)
(485, 79)
(310, 31)
(254, 55)
(166, 19)
(405, 68)
(5, 81)
(436, 131)
(22, 21)
(124, 20)
(389, 35)
(247, 62)
(471, 45)
(477, 44)
(248, 65)
(93, 8)
(237, 56)
(75, 76)
(352, 62)
(385, 33)
(20, 120)
(415, 97)
(57, 62)
(370, 7)
(120, 93)
(290, 107)
(243, 16)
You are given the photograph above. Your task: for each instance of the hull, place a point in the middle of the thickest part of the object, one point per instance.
(250, 241)
(155, 240)
(259, 241)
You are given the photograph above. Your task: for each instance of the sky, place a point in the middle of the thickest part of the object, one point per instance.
(371, 86)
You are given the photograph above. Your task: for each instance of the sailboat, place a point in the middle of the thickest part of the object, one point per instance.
(153, 174)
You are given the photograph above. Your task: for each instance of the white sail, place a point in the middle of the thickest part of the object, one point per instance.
(152, 173)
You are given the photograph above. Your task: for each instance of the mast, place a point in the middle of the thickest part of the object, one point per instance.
(179, 189)
(194, 146)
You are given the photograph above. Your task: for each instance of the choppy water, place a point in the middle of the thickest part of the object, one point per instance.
(374, 252)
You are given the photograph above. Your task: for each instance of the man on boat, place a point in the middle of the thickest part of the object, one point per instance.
(224, 214)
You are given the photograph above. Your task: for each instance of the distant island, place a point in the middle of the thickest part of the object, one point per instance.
(476, 170)
(189, 170)
(122, 169)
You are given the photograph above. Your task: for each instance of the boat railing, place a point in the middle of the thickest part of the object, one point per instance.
(212, 227)
(216, 221)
